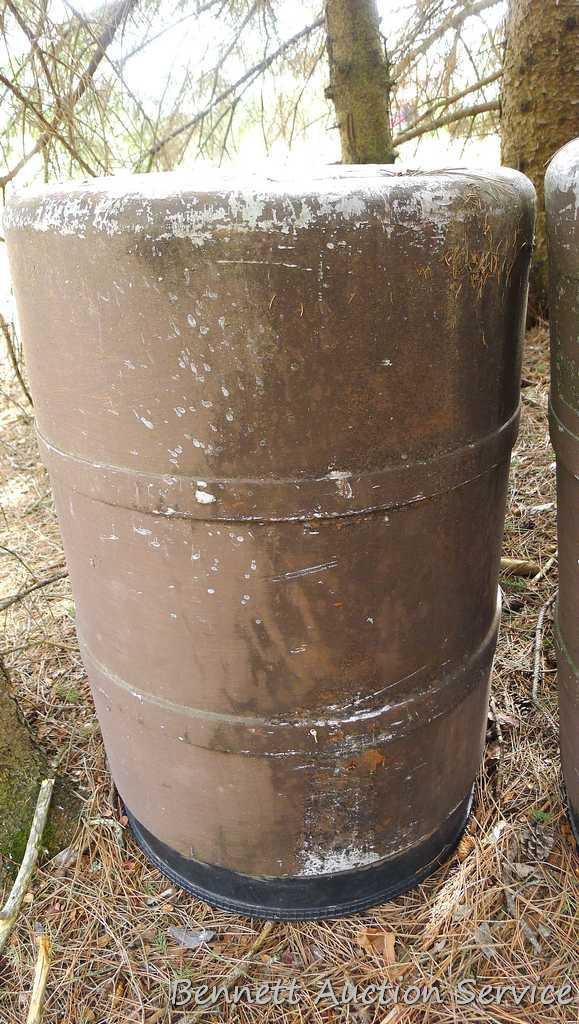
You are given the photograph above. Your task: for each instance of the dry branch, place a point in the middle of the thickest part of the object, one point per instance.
(441, 122)
(447, 101)
(453, 21)
(67, 105)
(51, 128)
(520, 566)
(14, 598)
(253, 72)
(538, 646)
(547, 566)
(13, 357)
(9, 912)
(40, 978)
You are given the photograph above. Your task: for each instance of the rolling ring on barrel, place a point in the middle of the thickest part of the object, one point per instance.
(278, 417)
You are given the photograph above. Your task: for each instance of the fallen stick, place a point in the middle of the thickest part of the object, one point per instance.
(9, 339)
(538, 646)
(520, 566)
(40, 977)
(10, 910)
(543, 572)
(238, 972)
(30, 590)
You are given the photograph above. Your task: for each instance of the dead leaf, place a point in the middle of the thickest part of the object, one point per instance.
(64, 860)
(462, 911)
(189, 938)
(119, 991)
(484, 939)
(521, 870)
(376, 940)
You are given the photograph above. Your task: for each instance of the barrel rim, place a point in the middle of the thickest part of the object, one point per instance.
(183, 202)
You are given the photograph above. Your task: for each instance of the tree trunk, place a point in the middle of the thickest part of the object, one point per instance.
(359, 81)
(22, 768)
(540, 108)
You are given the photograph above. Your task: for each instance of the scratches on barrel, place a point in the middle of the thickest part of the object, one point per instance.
(308, 570)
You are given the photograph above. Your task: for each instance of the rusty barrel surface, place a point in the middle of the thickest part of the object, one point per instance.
(562, 209)
(278, 416)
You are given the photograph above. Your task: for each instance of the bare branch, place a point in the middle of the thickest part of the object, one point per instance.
(252, 73)
(9, 912)
(51, 128)
(9, 601)
(453, 20)
(13, 357)
(35, 1008)
(32, 38)
(441, 122)
(119, 14)
(447, 101)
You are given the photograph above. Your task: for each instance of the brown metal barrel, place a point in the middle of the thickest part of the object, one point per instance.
(278, 416)
(562, 209)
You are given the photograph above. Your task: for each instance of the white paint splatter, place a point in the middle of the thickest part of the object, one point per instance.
(204, 498)
(328, 862)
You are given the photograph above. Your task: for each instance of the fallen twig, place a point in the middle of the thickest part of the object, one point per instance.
(14, 358)
(520, 566)
(525, 928)
(543, 572)
(9, 912)
(36, 504)
(9, 601)
(40, 977)
(538, 646)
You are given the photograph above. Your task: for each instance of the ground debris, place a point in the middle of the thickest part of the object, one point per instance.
(376, 940)
(190, 938)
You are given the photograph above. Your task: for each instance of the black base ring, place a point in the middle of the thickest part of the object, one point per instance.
(306, 898)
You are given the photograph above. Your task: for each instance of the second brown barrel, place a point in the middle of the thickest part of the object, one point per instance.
(562, 208)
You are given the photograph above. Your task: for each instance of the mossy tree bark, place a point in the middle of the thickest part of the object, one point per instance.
(359, 81)
(540, 108)
(22, 769)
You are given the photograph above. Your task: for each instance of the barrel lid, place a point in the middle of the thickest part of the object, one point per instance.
(191, 203)
(562, 206)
